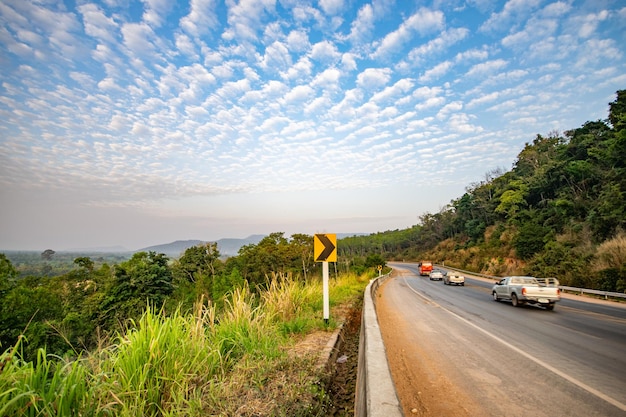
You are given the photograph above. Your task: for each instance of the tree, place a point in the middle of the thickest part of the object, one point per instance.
(85, 262)
(7, 274)
(204, 258)
(303, 247)
(47, 254)
(145, 279)
(529, 239)
(617, 111)
(513, 200)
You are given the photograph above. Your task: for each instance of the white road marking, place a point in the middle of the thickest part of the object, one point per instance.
(539, 362)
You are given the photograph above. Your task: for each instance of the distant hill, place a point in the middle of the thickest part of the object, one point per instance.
(227, 247)
(230, 247)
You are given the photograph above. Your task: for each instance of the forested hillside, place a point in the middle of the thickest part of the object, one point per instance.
(559, 212)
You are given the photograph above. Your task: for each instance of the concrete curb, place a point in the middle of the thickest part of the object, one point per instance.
(376, 394)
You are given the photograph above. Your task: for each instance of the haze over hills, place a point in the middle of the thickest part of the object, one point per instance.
(227, 246)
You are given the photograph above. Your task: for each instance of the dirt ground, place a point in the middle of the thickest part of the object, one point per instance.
(422, 386)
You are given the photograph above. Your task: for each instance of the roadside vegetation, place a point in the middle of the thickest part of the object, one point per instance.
(240, 359)
(559, 212)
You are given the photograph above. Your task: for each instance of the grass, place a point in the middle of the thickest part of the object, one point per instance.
(189, 364)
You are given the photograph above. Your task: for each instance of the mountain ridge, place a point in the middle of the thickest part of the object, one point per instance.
(226, 246)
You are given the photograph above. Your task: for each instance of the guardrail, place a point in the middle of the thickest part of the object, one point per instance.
(375, 392)
(581, 291)
(605, 294)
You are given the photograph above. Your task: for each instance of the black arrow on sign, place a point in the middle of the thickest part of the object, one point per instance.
(328, 248)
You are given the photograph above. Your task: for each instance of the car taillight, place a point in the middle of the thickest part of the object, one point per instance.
(558, 292)
(523, 291)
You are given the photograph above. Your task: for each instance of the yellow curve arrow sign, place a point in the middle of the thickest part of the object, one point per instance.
(325, 247)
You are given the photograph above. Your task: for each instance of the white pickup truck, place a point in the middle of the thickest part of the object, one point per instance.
(521, 290)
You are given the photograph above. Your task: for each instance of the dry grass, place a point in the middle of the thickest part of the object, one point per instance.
(612, 253)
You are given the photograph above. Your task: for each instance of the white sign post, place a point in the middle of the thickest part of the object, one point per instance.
(326, 292)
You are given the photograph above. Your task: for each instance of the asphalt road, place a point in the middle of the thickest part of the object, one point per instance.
(519, 361)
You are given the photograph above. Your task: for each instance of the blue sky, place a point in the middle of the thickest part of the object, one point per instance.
(144, 122)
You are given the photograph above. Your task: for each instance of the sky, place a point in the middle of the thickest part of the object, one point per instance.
(136, 123)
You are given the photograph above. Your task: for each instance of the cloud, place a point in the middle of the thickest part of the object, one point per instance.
(486, 68)
(363, 25)
(588, 24)
(422, 22)
(276, 57)
(325, 52)
(298, 41)
(156, 11)
(398, 90)
(97, 24)
(201, 18)
(331, 7)
(513, 12)
(373, 78)
(245, 19)
(448, 38)
(139, 39)
(437, 71)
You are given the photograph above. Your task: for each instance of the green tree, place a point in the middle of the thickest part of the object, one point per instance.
(86, 263)
(513, 200)
(302, 246)
(143, 280)
(204, 258)
(26, 310)
(7, 274)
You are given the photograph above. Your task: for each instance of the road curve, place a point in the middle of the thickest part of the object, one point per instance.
(496, 360)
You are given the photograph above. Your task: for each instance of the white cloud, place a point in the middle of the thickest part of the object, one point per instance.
(185, 45)
(138, 38)
(329, 79)
(325, 52)
(331, 7)
(300, 71)
(486, 68)
(399, 89)
(441, 43)
(298, 94)
(422, 22)
(156, 11)
(97, 24)
(298, 41)
(588, 24)
(201, 18)
(436, 72)
(276, 58)
(363, 25)
(513, 12)
(245, 19)
(373, 78)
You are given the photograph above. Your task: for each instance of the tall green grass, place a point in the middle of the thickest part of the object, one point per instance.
(188, 364)
(49, 386)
